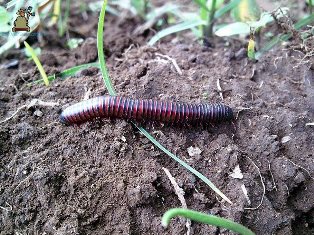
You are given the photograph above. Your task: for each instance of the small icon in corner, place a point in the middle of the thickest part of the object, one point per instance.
(21, 22)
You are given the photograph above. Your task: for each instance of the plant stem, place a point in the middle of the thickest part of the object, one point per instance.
(208, 32)
(311, 6)
(280, 38)
(56, 11)
(63, 22)
(145, 7)
(100, 48)
(206, 219)
(37, 62)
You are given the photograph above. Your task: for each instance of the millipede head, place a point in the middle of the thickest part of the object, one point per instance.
(63, 120)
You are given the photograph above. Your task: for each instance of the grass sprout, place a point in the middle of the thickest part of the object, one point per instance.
(251, 48)
(5, 18)
(207, 11)
(111, 91)
(311, 4)
(62, 21)
(238, 28)
(68, 72)
(141, 7)
(37, 62)
(205, 219)
(246, 10)
(188, 24)
(73, 43)
(284, 37)
(100, 48)
(56, 12)
(190, 20)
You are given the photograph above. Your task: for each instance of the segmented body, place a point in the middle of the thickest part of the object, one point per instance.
(147, 110)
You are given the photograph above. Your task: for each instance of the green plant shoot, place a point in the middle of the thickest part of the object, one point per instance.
(207, 11)
(251, 47)
(68, 72)
(56, 12)
(310, 2)
(37, 62)
(4, 20)
(205, 219)
(245, 27)
(140, 7)
(191, 20)
(247, 10)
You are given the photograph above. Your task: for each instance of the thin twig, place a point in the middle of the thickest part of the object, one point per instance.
(219, 89)
(179, 191)
(6, 208)
(302, 168)
(18, 110)
(24, 180)
(264, 188)
(209, 30)
(173, 61)
(87, 94)
(31, 104)
(272, 177)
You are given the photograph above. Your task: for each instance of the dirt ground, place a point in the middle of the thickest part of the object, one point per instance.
(104, 177)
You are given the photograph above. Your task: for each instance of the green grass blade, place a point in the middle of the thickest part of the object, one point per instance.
(205, 219)
(111, 91)
(100, 47)
(37, 62)
(232, 4)
(188, 24)
(305, 21)
(210, 14)
(203, 7)
(251, 49)
(185, 165)
(204, 10)
(284, 37)
(68, 72)
(62, 24)
(273, 42)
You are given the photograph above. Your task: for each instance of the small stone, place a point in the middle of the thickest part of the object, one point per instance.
(38, 113)
(194, 151)
(237, 174)
(300, 178)
(192, 58)
(285, 139)
(123, 138)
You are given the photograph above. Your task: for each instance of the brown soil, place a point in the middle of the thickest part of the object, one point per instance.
(104, 177)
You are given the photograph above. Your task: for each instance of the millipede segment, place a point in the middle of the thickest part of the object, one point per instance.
(145, 110)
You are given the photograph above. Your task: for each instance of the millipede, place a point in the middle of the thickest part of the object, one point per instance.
(145, 110)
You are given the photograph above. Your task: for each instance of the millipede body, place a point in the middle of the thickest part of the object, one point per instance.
(145, 110)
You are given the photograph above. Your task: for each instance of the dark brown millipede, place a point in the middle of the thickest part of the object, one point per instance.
(145, 110)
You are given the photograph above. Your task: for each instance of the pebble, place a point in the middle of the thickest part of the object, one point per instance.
(38, 113)
(194, 151)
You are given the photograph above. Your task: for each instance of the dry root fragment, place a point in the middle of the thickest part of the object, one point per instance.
(33, 103)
